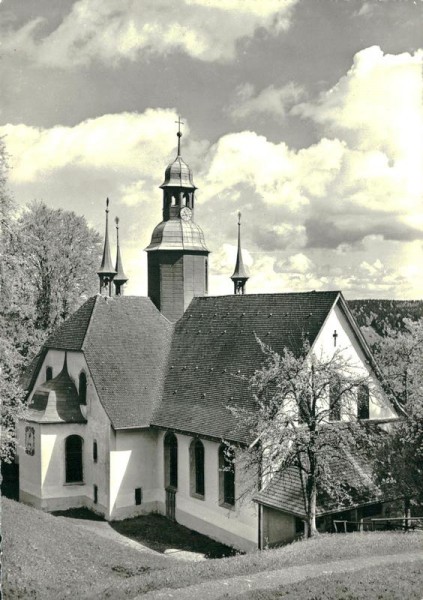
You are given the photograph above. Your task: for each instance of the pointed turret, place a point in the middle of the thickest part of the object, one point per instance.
(240, 276)
(106, 271)
(120, 278)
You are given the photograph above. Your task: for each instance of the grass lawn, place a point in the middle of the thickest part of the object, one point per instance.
(156, 532)
(392, 582)
(49, 557)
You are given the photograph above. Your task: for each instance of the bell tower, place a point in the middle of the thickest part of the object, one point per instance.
(177, 254)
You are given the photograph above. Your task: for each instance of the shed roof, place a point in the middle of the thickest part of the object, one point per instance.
(285, 491)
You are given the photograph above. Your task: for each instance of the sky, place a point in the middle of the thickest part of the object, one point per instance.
(305, 115)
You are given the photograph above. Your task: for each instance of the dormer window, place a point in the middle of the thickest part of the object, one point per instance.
(82, 388)
(49, 373)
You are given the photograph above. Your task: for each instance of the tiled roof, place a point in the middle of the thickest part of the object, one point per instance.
(126, 349)
(215, 351)
(126, 341)
(71, 334)
(285, 491)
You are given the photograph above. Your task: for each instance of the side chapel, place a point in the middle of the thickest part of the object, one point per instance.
(128, 398)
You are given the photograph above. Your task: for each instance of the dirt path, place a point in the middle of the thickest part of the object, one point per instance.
(268, 580)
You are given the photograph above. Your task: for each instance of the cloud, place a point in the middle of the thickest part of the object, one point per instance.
(271, 100)
(344, 213)
(113, 30)
(128, 143)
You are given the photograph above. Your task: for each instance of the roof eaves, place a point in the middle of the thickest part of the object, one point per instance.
(368, 353)
(334, 303)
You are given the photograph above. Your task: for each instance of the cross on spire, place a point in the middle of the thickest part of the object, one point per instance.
(179, 134)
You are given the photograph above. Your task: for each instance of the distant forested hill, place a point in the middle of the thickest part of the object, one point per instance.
(375, 316)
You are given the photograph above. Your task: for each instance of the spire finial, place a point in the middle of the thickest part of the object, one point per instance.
(179, 134)
(120, 278)
(239, 276)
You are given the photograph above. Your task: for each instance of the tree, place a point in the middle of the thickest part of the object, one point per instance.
(399, 355)
(59, 257)
(11, 360)
(399, 463)
(48, 262)
(305, 416)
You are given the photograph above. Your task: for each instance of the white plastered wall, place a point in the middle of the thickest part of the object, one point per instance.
(352, 353)
(133, 456)
(42, 477)
(236, 527)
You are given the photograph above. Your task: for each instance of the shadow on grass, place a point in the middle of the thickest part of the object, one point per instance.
(160, 534)
(78, 513)
(10, 480)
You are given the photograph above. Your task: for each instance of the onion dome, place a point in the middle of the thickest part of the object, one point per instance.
(177, 234)
(56, 401)
(178, 173)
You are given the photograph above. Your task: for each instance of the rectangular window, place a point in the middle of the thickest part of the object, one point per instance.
(138, 496)
(95, 494)
(95, 451)
(363, 402)
(335, 400)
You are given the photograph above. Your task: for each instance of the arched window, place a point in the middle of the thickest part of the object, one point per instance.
(49, 373)
(226, 476)
(363, 402)
(73, 459)
(196, 451)
(82, 388)
(171, 460)
(335, 399)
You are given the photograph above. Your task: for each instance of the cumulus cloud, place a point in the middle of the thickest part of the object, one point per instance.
(344, 213)
(113, 30)
(271, 100)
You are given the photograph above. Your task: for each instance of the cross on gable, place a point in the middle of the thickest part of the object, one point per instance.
(335, 335)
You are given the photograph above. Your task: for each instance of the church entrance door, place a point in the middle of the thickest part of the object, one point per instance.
(170, 503)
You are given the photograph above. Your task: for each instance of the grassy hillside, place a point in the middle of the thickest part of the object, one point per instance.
(47, 557)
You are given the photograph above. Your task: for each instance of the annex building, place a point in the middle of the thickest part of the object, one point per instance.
(128, 400)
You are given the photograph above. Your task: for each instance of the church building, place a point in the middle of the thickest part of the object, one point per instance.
(128, 399)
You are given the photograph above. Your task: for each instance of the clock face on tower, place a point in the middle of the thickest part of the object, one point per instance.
(185, 213)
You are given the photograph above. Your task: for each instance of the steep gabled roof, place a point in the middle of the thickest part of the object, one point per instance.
(126, 349)
(71, 334)
(126, 341)
(215, 351)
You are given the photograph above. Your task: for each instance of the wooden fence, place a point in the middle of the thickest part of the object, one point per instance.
(379, 524)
